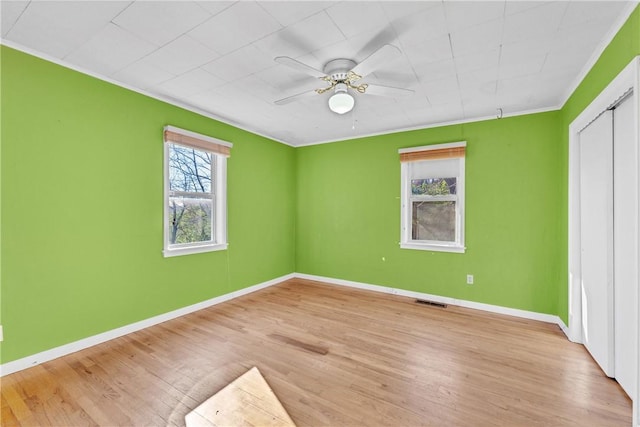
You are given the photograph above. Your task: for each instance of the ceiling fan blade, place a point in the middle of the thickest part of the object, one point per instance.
(297, 65)
(295, 97)
(380, 57)
(393, 92)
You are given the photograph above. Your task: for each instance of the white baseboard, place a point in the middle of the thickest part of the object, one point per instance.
(54, 353)
(564, 328)
(549, 318)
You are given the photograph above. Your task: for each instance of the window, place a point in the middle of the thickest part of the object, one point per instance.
(433, 197)
(195, 199)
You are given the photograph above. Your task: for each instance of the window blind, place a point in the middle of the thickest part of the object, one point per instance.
(432, 154)
(194, 140)
(443, 168)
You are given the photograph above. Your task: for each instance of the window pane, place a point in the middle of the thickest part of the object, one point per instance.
(433, 186)
(189, 169)
(434, 221)
(189, 220)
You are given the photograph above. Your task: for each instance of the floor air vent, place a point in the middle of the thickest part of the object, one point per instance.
(431, 303)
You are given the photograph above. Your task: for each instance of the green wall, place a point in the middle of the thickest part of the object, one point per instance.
(349, 213)
(82, 199)
(622, 49)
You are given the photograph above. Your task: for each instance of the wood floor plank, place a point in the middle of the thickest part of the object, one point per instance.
(15, 397)
(333, 356)
(7, 416)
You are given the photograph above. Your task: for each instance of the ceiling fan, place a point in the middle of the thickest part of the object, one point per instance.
(343, 75)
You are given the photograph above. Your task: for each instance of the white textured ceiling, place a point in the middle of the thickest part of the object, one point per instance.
(463, 59)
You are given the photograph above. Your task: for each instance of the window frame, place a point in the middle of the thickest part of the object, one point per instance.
(407, 199)
(218, 192)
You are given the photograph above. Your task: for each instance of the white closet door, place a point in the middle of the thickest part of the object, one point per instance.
(596, 234)
(625, 198)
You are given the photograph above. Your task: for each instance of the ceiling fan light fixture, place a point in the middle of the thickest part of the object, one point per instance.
(341, 101)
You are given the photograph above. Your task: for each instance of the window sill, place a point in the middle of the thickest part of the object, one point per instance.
(432, 247)
(194, 250)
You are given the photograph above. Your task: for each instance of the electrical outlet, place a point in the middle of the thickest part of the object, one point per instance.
(469, 279)
(1, 334)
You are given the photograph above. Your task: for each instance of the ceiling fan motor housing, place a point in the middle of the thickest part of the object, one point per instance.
(338, 69)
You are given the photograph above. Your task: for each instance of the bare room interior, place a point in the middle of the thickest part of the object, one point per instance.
(319, 213)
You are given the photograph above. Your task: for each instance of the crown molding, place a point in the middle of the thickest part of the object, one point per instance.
(436, 125)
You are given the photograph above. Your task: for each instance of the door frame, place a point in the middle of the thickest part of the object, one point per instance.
(628, 78)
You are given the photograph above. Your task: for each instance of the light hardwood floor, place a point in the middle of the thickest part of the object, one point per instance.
(333, 356)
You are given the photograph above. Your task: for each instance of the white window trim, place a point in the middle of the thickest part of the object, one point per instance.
(405, 224)
(220, 201)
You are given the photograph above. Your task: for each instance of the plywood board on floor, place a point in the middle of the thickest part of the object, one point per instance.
(247, 401)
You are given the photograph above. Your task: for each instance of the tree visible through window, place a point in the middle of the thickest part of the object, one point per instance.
(190, 195)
